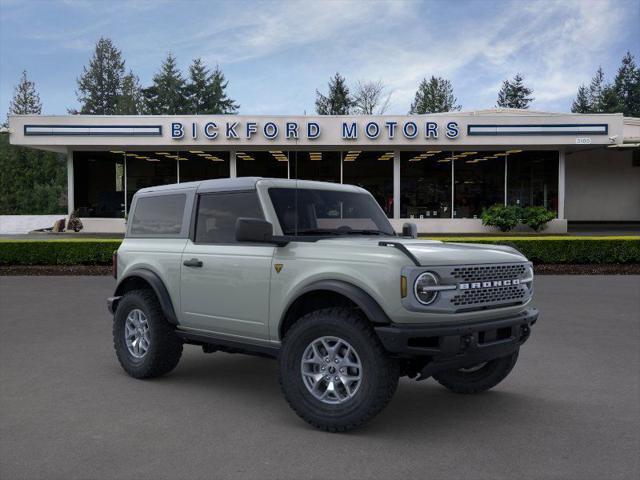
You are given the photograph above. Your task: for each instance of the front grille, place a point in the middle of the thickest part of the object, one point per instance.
(509, 294)
(488, 272)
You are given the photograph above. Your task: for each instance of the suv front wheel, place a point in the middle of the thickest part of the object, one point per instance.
(146, 344)
(333, 370)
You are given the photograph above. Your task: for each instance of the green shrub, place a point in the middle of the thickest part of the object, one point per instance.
(57, 252)
(504, 217)
(557, 249)
(536, 217)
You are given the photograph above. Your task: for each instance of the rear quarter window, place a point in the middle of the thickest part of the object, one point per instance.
(158, 215)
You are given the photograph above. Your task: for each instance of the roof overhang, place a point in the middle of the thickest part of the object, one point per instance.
(237, 132)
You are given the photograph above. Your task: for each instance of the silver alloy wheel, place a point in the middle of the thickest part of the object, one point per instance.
(331, 370)
(136, 333)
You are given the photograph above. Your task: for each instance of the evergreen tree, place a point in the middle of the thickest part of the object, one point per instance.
(206, 92)
(433, 96)
(581, 104)
(338, 101)
(514, 94)
(167, 95)
(218, 100)
(130, 101)
(196, 89)
(596, 91)
(31, 181)
(25, 99)
(627, 86)
(99, 86)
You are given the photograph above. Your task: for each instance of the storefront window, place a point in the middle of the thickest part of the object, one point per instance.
(321, 166)
(271, 164)
(99, 184)
(372, 171)
(532, 178)
(196, 165)
(478, 182)
(149, 169)
(425, 186)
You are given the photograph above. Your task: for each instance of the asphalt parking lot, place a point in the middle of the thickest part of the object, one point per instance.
(570, 409)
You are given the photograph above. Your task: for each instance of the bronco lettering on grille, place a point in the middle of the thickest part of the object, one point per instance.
(490, 284)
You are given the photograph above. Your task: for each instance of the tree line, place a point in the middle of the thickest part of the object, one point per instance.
(34, 182)
(106, 88)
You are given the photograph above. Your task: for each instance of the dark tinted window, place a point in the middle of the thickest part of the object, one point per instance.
(160, 215)
(316, 212)
(218, 212)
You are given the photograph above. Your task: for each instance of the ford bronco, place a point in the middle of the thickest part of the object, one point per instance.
(314, 275)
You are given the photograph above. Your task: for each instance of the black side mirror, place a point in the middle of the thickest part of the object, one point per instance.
(253, 230)
(410, 230)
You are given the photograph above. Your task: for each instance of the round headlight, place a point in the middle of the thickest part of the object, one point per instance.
(422, 288)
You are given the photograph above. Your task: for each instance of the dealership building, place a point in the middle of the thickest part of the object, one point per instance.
(439, 170)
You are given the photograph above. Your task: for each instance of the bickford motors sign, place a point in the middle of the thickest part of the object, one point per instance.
(310, 130)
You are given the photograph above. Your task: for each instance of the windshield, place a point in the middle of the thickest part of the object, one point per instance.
(328, 212)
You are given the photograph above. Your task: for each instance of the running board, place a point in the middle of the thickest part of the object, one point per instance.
(226, 345)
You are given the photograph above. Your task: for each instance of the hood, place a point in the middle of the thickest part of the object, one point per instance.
(434, 252)
(440, 253)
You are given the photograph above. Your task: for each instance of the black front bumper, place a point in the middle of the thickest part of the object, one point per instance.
(445, 347)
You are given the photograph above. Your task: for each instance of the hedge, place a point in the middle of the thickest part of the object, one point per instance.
(566, 249)
(549, 249)
(58, 252)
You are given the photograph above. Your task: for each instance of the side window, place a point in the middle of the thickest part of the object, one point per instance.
(218, 212)
(158, 215)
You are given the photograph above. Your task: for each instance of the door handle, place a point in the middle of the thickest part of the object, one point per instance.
(194, 262)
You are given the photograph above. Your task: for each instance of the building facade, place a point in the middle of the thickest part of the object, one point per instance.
(439, 171)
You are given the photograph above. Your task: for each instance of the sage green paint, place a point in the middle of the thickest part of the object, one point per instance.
(239, 294)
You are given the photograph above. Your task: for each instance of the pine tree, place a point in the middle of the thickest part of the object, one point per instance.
(338, 101)
(434, 95)
(31, 181)
(514, 94)
(218, 100)
(167, 95)
(596, 91)
(581, 104)
(196, 89)
(206, 92)
(25, 99)
(99, 86)
(130, 101)
(627, 86)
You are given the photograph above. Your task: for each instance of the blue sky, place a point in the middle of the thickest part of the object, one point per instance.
(275, 54)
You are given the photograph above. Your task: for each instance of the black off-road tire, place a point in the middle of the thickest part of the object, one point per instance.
(165, 349)
(379, 378)
(481, 380)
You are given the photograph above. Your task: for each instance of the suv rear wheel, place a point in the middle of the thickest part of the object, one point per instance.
(478, 378)
(146, 344)
(333, 370)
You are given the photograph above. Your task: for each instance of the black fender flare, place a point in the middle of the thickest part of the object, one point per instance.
(158, 287)
(362, 299)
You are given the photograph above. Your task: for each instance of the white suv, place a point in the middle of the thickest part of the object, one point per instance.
(314, 275)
